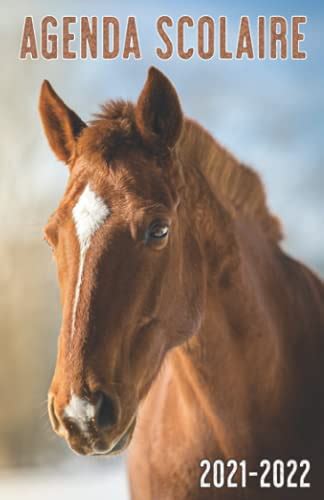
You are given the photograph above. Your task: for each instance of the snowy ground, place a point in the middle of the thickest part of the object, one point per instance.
(104, 482)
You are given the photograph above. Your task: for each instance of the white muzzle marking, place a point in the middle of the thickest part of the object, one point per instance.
(89, 213)
(81, 411)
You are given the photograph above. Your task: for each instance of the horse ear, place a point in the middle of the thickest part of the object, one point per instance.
(158, 112)
(62, 125)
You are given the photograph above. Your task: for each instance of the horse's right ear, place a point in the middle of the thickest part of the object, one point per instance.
(62, 125)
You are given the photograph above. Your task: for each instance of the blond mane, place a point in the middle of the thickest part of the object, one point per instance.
(238, 186)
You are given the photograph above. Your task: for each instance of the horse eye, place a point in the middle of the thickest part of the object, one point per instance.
(158, 231)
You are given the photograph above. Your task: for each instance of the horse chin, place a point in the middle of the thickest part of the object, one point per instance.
(122, 444)
(124, 441)
(99, 448)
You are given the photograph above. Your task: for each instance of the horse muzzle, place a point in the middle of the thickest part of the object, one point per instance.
(92, 427)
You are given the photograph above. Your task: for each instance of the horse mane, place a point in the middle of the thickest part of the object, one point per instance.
(239, 187)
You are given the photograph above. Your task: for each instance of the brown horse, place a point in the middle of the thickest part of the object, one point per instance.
(186, 330)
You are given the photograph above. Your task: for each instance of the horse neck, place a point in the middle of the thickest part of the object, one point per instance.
(239, 255)
(227, 365)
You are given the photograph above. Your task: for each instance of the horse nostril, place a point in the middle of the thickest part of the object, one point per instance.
(106, 415)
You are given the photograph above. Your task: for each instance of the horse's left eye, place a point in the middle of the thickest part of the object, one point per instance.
(158, 231)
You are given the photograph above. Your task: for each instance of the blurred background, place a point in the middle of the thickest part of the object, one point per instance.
(268, 113)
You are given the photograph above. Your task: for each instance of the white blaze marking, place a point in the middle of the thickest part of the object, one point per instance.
(89, 214)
